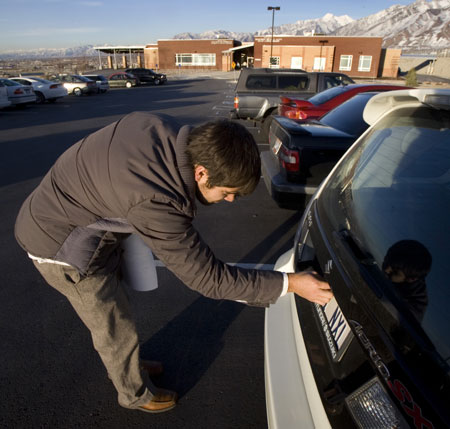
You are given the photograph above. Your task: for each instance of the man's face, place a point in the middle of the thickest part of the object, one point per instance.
(211, 195)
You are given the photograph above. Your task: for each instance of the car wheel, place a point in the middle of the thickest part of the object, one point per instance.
(128, 84)
(266, 124)
(156, 81)
(77, 92)
(39, 97)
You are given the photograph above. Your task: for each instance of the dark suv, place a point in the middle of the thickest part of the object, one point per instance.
(378, 354)
(148, 76)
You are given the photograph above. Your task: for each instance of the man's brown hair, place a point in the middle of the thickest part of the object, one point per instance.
(229, 152)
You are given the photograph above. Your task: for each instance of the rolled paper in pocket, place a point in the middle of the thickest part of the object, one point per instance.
(138, 265)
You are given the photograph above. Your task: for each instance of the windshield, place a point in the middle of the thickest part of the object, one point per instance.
(328, 94)
(392, 194)
(347, 117)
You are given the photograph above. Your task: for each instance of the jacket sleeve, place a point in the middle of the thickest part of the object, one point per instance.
(168, 231)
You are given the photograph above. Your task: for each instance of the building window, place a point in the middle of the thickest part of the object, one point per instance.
(346, 62)
(319, 63)
(195, 59)
(296, 62)
(365, 63)
(274, 62)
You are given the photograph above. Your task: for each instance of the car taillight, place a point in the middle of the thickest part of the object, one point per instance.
(290, 159)
(56, 85)
(18, 91)
(236, 102)
(371, 407)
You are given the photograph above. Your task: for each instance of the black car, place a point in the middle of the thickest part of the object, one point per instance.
(378, 354)
(148, 76)
(302, 153)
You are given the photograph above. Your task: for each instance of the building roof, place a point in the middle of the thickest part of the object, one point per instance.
(120, 49)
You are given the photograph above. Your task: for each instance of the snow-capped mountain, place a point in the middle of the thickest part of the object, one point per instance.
(79, 51)
(420, 25)
(327, 24)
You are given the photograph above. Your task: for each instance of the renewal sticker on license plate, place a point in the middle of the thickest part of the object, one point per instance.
(336, 328)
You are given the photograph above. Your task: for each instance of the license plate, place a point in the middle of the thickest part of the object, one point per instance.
(335, 327)
(276, 146)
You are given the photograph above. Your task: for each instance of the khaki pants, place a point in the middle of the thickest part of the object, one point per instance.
(102, 304)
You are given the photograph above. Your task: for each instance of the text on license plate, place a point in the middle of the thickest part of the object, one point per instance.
(335, 327)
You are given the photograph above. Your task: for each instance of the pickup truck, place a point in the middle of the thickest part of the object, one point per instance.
(258, 90)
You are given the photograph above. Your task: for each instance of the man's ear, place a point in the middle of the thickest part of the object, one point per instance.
(200, 173)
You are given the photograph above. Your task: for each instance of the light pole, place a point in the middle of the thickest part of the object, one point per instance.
(273, 9)
(322, 42)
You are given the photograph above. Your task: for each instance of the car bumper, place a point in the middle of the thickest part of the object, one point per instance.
(24, 99)
(282, 191)
(292, 398)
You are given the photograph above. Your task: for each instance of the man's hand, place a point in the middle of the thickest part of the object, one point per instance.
(311, 286)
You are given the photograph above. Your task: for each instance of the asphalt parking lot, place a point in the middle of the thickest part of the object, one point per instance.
(50, 375)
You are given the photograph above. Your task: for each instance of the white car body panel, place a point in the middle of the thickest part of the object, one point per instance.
(289, 405)
(4, 101)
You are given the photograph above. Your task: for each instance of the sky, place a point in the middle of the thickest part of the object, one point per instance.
(32, 24)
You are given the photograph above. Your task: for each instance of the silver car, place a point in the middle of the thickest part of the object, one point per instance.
(100, 80)
(76, 84)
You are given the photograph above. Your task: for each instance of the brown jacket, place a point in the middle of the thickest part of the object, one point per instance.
(132, 176)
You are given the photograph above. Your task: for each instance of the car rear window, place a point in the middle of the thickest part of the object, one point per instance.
(328, 94)
(347, 117)
(261, 82)
(392, 195)
(292, 82)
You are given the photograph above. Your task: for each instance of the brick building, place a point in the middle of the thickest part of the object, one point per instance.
(211, 54)
(355, 56)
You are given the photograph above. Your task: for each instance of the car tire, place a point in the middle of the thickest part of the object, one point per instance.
(40, 99)
(265, 126)
(157, 81)
(77, 92)
(128, 84)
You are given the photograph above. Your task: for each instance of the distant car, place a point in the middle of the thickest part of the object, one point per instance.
(44, 89)
(4, 100)
(377, 355)
(123, 80)
(102, 82)
(324, 101)
(18, 95)
(76, 84)
(302, 153)
(148, 75)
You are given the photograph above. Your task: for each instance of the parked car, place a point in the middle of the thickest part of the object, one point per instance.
(258, 90)
(148, 76)
(76, 84)
(302, 153)
(4, 100)
(19, 95)
(123, 80)
(100, 80)
(324, 101)
(44, 89)
(377, 355)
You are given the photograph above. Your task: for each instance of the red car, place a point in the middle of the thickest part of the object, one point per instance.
(324, 101)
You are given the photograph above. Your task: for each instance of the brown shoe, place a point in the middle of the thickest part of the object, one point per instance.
(152, 367)
(163, 400)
